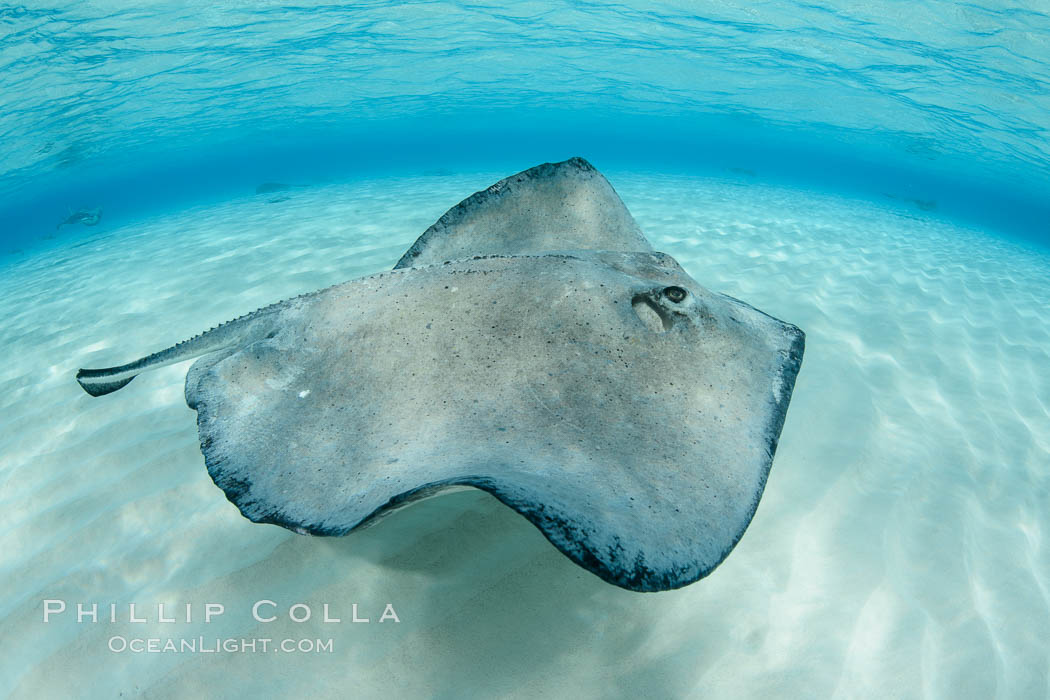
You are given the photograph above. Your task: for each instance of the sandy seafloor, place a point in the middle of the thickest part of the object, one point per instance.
(900, 549)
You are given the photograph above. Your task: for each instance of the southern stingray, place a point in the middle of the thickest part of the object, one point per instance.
(532, 344)
(88, 217)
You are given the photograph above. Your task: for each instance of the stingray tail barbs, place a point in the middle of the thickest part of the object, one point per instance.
(245, 329)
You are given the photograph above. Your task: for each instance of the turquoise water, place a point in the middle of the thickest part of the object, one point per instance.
(876, 173)
(139, 107)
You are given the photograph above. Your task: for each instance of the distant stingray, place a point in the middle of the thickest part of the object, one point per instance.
(531, 344)
(271, 187)
(88, 217)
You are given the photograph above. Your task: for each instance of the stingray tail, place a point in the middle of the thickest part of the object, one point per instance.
(99, 382)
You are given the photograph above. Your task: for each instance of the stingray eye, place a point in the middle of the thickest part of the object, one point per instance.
(675, 294)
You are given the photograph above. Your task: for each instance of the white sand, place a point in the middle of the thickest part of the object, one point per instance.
(900, 549)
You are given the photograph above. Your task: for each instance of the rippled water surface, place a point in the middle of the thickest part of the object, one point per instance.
(881, 95)
(972, 76)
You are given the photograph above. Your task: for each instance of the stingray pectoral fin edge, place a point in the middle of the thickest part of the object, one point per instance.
(561, 529)
(552, 206)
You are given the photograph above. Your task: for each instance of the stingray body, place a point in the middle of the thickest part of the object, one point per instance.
(531, 344)
(88, 217)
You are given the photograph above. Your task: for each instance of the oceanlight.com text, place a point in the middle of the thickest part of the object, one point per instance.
(216, 645)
